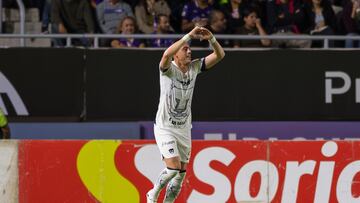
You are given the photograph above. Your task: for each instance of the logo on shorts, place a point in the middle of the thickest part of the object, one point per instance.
(168, 143)
(171, 151)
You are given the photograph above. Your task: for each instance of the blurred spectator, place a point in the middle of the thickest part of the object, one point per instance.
(72, 16)
(194, 13)
(285, 18)
(4, 127)
(132, 3)
(176, 7)
(45, 21)
(127, 26)
(163, 27)
(146, 12)
(110, 13)
(320, 19)
(252, 26)
(260, 8)
(93, 3)
(351, 21)
(218, 25)
(233, 11)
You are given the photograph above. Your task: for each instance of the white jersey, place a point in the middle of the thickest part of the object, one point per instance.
(176, 91)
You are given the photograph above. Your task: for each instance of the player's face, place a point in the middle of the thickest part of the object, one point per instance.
(184, 54)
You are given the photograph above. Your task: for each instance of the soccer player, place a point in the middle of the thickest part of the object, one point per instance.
(4, 127)
(172, 128)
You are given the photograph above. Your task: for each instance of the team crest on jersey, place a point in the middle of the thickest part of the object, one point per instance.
(185, 83)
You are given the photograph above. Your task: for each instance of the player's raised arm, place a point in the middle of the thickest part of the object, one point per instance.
(218, 51)
(171, 51)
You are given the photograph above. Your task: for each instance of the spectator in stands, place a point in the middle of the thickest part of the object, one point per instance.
(320, 20)
(4, 127)
(195, 12)
(252, 26)
(110, 13)
(146, 12)
(351, 21)
(233, 11)
(176, 7)
(127, 26)
(72, 16)
(284, 17)
(217, 25)
(45, 20)
(163, 27)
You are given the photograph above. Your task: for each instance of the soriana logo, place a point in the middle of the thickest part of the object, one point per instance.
(219, 171)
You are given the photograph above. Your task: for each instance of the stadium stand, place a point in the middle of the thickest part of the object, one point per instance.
(11, 18)
(273, 13)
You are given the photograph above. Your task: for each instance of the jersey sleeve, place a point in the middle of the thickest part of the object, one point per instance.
(3, 120)
(199, 65)
(168, 72)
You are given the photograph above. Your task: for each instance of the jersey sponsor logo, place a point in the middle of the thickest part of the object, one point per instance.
(178, 122)
(7, 88)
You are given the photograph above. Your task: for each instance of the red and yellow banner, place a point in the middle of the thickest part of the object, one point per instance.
(220, 171)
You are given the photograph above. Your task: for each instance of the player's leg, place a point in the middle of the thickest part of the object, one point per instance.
(174, 186)
(167, 145)
(172, 169)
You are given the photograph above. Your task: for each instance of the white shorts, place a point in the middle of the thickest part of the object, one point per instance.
(173, 143)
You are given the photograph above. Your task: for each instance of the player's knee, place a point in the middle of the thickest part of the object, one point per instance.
(172, 172)
(173, 163)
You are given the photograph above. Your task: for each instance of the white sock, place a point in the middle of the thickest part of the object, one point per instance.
(165, 176)
(174, 187)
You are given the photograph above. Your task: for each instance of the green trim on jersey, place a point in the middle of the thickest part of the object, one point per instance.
(3, 120)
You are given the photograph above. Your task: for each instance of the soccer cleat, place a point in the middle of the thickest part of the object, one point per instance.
(150, 198)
